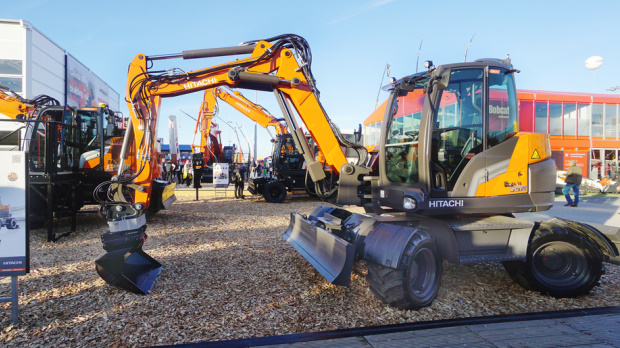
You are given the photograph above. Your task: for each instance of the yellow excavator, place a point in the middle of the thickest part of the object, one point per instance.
(451, 169)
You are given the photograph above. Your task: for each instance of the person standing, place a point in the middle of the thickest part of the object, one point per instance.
(574, 175)
(240, 181)
(178, 169)
(169, 169)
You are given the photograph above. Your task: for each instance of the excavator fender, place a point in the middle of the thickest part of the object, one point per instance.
(386, 244)
(607, 238)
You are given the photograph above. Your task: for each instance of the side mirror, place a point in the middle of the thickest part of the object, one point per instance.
(358, 134)
(444, 79)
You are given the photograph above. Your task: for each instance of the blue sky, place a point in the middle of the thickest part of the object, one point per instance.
(351, 43)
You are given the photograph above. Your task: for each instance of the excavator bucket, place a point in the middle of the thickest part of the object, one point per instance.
(129, 269)
(330, 255)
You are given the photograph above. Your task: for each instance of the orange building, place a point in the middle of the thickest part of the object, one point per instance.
(582, 126)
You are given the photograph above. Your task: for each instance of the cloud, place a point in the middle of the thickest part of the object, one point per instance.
(364, 9)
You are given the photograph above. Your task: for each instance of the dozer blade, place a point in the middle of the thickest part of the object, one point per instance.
(129, 269)
(330, 255)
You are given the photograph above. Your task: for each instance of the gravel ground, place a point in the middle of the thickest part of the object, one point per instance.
(228, 274)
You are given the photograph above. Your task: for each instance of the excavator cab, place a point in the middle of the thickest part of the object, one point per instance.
(451, 146)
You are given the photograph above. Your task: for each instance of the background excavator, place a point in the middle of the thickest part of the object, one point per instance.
(280, 64)
(450, 172)
(70, 150)
(289, 169)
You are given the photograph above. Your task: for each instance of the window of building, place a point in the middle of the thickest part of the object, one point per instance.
(570, 119)
(597, 120)
(10, 66)
(541, 117)
(555, 118)
(14, 83)
(611, 121)
(526, 117)
(583, 120)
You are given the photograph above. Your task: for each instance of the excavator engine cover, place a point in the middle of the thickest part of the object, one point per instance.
(126, 265)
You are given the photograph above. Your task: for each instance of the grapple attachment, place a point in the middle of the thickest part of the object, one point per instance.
(330, 255)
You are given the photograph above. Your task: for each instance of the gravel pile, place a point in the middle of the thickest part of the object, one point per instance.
(228, 274)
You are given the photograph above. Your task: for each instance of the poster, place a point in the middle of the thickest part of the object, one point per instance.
(220, 175)
(581, 157)
(14, 253)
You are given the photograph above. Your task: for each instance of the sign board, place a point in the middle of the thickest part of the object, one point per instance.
(581, 157)
(14, 247)
(220, 175)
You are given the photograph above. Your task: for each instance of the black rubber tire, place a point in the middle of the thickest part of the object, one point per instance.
(561, 264)
(274, 192)
(415, 283)
(12, 224)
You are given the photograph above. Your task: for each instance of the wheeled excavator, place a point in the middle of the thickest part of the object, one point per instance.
(452, 169)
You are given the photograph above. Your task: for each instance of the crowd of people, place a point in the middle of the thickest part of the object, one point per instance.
(182, 173)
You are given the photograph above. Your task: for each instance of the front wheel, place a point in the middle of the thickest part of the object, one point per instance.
(415, 283)
(561, 265)
(274, 192)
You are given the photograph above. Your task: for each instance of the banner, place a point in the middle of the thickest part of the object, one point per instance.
(14, 253)
(84, 88)
(220, 175)
(174, 139)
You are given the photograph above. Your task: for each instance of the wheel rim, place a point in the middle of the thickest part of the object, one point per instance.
(422, 273)
(559, 264)
(275, 192)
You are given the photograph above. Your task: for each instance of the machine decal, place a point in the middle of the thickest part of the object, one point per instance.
(535, 155)
(451, 203)
(203, 82)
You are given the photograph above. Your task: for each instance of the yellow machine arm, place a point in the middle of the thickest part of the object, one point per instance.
(254, 112)
(270, 66)
(16, 107)
(235, 99)
(280, 64)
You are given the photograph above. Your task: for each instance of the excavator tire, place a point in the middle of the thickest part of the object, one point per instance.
(274, 192)
(560, 262)
(415, 283)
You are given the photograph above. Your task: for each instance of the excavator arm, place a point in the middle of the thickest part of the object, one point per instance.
(280, 64)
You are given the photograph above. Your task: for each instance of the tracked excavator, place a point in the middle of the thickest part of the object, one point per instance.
(279, 64)
(451, 170)
(71, 151)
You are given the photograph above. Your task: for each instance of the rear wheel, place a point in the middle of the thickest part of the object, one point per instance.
(416, 282)
(559, 264)
(274, 192)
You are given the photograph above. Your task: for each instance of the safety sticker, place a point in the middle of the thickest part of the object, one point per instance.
(535, 155)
